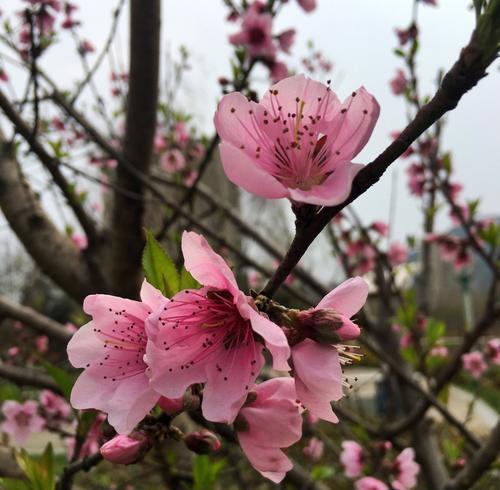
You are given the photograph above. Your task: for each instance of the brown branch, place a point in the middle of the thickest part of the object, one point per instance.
(478, 464)
(28, 377)
(52, 165)
(468, 70)
(127, 238)
(34, 319)
(65, 482)
(52, 251)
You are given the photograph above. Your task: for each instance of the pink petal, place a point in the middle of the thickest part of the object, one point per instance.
(354, 127)
(306, 90)
(317, 405)
(235, 122)
(90, 392)
(130, 403)
(275, 423)
(334, 190)
(347, 298)
(230, 377)
(166, 376)
(271, 463)
(207, 267)
(276, 388)
(242, 171)
(274, 337)
(84, 347)
(151, 296)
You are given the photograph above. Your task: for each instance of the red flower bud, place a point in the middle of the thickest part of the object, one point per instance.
(202, 442)
(327, 326)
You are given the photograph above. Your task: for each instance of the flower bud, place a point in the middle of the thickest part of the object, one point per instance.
(126, 449)
(202, 442)
(171, 406)
(326, 326)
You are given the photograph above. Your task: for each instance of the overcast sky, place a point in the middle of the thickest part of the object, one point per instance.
(358, 36)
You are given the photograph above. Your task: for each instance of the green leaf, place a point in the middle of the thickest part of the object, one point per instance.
(187, 281)
(9, 391)
(446, 161)
(40, 473)
(13, 484)
(159, 268)
(399, 52)
(206, 472)
(64, 379)
(434, 331)
(322, 473)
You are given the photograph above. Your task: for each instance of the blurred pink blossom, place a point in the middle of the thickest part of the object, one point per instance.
(370, 483)
(399, 83)
(314, 449)
(42, 344)
(21, 420)
(406, 470)
(398, 253)
(493, 350)
(474, 364)
(352, 458)
(54, 404)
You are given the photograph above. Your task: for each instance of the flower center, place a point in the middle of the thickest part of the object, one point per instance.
(23, 419)
(256, 36)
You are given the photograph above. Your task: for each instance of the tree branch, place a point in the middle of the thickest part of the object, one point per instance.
(52, 251)
(52, 165)
(127, 238)
(479, 463)
(34, 319)
(468, 70)
(28, 377)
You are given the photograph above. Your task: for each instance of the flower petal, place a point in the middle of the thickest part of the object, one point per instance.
(230, 377)
(347, 298)
(84, 347)
(334, 190)
(274, 337)
(275, 423)
(206, 266)
(242, 171)
(272, 463)
(150, 295)
(354, 126)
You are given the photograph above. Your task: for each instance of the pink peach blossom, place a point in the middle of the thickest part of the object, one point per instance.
(398, 253)
(42, 344)
(314, 449)
(406, 340)
(93, 438)
(173, 160)
(79, 240)
(399, 83)
(380, 227)
(474, 364)
(439, 351)
(493, 350)
(370, 483)
(111, 349)
(54, 405)
(190, 178)
(298, 142)
(405, 35)
(406, 470)
(307, 5)
(286, 39)
(159, 142)
(351, 458)
(21, 420)
(317, 366)
(13, 351)
(209, 336)
(256, 34)
(279, 71)
(181, 133)
(269, 422)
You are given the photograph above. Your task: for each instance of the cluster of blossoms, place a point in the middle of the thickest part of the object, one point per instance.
(400, 473)
(27, 349)
(475, 362)
(23, 419)
(38, 23)
(256, 36)
(178, 151)
(137, 355)
(361, 247)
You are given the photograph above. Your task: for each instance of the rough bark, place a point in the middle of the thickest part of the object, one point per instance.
(128, 214)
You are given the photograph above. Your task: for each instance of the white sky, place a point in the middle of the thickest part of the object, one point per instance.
(357, 35)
